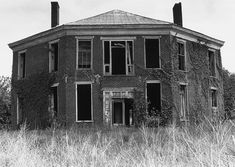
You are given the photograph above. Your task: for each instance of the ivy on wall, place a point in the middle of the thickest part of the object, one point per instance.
(33, 93)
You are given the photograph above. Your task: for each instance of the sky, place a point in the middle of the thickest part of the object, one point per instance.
(23, 18)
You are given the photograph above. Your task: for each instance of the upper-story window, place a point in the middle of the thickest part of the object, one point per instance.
(53, 56)
(152, 52)
(118, 57)
(84, 53)
(212, 66)
(21, 65)
(181, 55)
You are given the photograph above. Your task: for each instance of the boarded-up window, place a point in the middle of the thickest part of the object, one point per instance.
(183, 101)
(54, 55)
(84, 54)
(181, 55)
(154, 97)
(152, 52)
(211, 63)
(214, 98)
(84, 106)
(21, 65)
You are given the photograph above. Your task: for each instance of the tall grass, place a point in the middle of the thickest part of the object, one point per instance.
(204, 145)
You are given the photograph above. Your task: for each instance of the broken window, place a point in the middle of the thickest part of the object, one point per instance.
(118, 58)
(53, 56)
(152, 53)
(183, 101)
(154, 97)
(181, 55)
(211, 63)
(54, 102)
(214, 97)
(84, 102)
(84, 54)
(21, 65)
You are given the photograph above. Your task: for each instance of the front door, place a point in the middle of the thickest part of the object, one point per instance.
(118, 116)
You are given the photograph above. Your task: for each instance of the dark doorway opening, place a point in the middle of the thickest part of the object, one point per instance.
(154, 97)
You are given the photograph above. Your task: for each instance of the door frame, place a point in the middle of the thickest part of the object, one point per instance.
(123, 111)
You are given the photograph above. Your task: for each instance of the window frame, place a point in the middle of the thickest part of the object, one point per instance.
(146, 91)
(181, 41)
(84, 38)
(159, 39)
(110, 40)
(76, 98)
(57, 92)
(214, 59)
(50, 59)
(216, 97)
(19, 60)
(184, 117)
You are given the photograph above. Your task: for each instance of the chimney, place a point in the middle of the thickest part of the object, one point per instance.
(54, 14)
(177, 14)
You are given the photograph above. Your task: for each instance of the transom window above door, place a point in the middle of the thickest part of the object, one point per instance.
(118, 57)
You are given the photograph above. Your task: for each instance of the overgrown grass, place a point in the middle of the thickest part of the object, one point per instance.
(204, 145)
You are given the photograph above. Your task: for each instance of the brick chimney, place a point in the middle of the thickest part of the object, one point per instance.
(177, 14)
(54, 14)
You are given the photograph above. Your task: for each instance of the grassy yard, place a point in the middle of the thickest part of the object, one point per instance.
(204, 145)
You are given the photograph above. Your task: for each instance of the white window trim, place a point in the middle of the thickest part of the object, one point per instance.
(84, 38)
(185, 53)
(76, 97)
(152, 37)
(110, 39)
(146, 90)
(214, 57)
(50, 43)
(18, 73)
(187, 102)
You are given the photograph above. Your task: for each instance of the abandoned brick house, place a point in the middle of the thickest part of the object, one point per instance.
(99, 61)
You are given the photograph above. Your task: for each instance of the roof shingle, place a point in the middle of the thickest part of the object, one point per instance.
(117, 17)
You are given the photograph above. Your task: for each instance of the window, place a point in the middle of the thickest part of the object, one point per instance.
(21, 65)
(84, 102)
(118, 58)
(181, 55)
(211, 62)
(152, 53)
(153, 93)
(183, 101)
(213, 98)
(53, 103)
(53, 56)
(19, 111)
(84, 54)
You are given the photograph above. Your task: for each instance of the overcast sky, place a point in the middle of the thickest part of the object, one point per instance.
(22, 18)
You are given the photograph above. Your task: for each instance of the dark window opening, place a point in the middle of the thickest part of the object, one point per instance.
(54, 102)
(84, 54)
(22, 65)
(183, 101)
(54, 49)
(118, 57)
(181, 56)
(129, 115)
(152, 53)
(84, 102)
(214, 98)
(154, 98)
(211, 63)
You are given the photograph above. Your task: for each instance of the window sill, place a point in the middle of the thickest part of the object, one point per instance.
(153, 68)
(214, 77)
(132, 75)
(87, 121)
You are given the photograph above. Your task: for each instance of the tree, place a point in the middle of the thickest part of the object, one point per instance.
(229, 93)
(5, 100)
